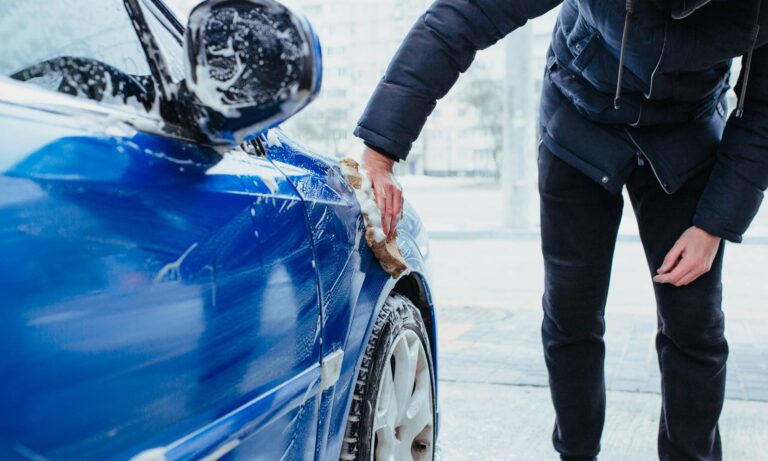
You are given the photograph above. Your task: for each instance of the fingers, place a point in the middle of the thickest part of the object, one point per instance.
(389, 200)
(690, 278)
(690, 258)
(683, 268)
(685, 273)
(397, 208)
(672, 258)
(386, 216)
(381, 202)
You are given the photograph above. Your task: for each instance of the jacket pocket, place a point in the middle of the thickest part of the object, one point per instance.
(586, 99)
(582, 43)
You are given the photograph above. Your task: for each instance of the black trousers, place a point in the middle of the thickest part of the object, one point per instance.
(579, 225)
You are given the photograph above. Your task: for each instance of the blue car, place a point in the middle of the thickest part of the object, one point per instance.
(179, 279)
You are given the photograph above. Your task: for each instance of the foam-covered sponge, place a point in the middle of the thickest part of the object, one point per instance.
(386, 251)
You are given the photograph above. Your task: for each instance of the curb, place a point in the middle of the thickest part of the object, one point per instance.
(523, 235)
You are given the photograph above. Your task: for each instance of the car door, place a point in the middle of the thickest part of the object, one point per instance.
(279, 294)
(161, 298)
(151, 301)
(350, 278)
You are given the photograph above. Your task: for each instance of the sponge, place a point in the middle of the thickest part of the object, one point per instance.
(386, 251)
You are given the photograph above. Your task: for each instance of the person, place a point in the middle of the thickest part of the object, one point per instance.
(634, 95)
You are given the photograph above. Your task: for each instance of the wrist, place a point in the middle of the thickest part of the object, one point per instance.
(375, 159)
(381, 152)
(707, 234)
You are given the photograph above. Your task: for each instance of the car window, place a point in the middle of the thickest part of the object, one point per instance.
(85, 48)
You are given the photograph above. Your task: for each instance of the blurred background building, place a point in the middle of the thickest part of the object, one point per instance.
(484, 129)
(464, 136)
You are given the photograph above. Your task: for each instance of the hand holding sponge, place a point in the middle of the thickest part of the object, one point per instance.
(386, 251)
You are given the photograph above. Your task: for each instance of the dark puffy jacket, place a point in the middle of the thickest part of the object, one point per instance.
(671, 108)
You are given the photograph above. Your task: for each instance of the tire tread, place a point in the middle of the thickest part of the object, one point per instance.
(397, 309)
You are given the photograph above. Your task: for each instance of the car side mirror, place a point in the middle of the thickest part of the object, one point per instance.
(250, 65)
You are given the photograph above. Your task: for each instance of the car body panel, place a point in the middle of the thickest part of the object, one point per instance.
(353, 285)
(165, 300)
(351, 280)
(153, 292)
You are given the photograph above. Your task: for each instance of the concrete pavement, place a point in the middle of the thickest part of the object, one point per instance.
(494, 395)
(497, 422)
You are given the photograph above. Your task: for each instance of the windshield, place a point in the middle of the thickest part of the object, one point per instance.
(86, 48)
(167, 41)
(182, 8)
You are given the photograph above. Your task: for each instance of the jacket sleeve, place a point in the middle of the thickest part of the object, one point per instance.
(740, 176)
(441, 45)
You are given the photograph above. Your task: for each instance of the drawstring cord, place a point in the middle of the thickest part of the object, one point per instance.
(630, 7)
(748, 64)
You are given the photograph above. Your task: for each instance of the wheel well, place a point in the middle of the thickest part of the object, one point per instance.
(412, 287)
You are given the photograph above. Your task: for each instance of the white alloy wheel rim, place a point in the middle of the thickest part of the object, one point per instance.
(403, 419)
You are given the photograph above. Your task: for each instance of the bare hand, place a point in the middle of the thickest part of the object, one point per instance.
(389, 196)
(690, 258)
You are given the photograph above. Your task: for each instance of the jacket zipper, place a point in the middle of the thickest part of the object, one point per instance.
(642, 155)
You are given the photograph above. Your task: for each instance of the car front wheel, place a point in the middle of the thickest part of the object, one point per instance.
(392, 417)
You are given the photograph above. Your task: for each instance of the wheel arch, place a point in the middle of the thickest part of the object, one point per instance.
(414, 287)
(377, 287)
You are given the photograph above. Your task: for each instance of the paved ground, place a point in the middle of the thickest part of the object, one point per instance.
(500, 346)
(493, 379)
(497, 422)
(494, 397)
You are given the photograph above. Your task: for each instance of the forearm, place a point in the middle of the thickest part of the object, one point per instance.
(740, 176)
(730, 201)
(440, 46)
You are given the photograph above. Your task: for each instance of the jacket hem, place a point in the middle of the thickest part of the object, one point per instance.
(716, 230)
(384, 144)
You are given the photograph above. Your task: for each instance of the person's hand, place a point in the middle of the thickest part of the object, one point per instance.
(690, 258)
(389, 196)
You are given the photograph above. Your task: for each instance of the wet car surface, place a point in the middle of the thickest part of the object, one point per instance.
(175, 286)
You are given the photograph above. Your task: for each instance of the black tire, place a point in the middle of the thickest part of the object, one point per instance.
(397, 314)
